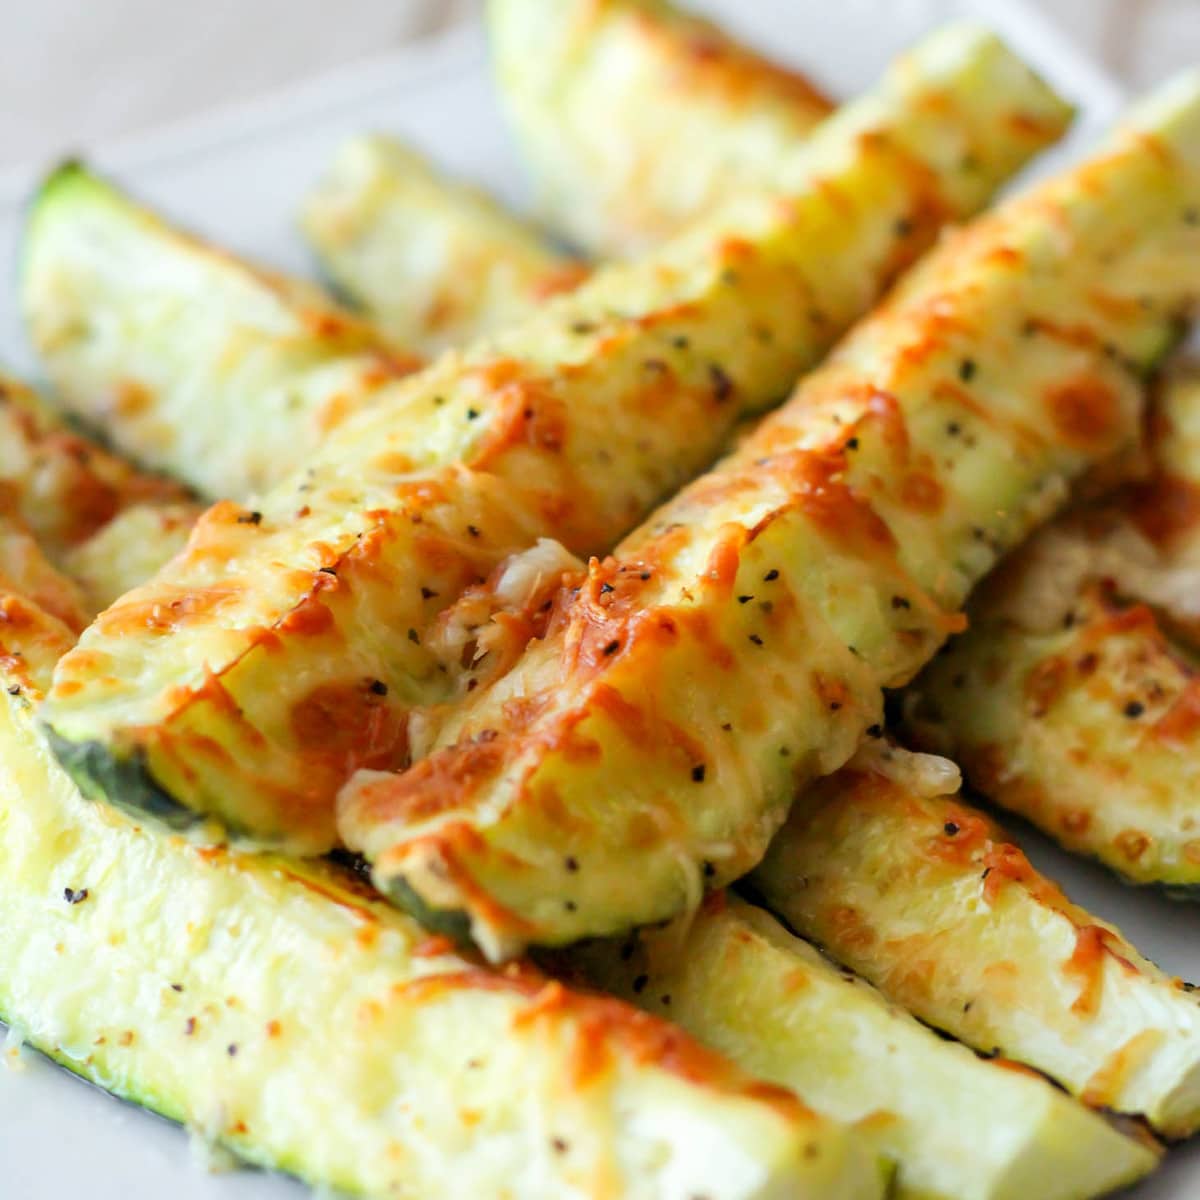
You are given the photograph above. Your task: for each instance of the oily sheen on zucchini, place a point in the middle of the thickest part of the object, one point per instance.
(636, 117)
(923, 896)
(957, 1127)
(737, 644)
(193, 362)
(289, 643)
(279, 1009)
(432, 262)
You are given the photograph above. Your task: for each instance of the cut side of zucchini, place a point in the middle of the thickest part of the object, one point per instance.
(432, 262)
(956, 1126)
(637, 117)
(923, 896)
(737, 644)
(290, 641)
(281, 1010)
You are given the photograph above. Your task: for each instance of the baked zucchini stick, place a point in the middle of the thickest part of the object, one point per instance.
(84, 504)
(289, 643)
(636, 117)
(923, 896)
(430, 261)
(193, 362)
(737, 644)
(1066, 700)
(280, 1010)
(957, 1127)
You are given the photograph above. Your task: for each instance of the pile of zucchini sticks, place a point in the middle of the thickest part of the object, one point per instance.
(479, 736)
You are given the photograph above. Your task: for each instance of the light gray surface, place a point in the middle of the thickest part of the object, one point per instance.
(238, 179)
(81, 71)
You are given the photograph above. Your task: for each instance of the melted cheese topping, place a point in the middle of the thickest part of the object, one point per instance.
(288, 643)
(473, 270)
(736, 646)
(927, 899)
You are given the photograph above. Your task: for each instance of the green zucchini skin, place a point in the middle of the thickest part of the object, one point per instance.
(99, 775)
(572, 425)
(824, 561)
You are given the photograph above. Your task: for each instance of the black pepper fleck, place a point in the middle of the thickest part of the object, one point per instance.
(378, 687)
(1134, 709)
(722, 385)
(75, 895)
(698, 772)
(639, 984)
(250, 518)
(611, 648)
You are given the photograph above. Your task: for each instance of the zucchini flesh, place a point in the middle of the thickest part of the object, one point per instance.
(1083, 714)
(957, 1127)
(1090, 730)
(923, 896)
(293, 638)
(431, 262)
(196, 364)
(25, 570)
(636, 117)
(63, 485)
(736, 645)
(129, 550)
(283, 1011)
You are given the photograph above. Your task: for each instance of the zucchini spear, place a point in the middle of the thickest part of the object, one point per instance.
(637, 118)
(922, 895)
(278, 1009)
(957, 1127)
(736, 646)
(1067, 700)
(194, 363)
(431, 262)
(290, 642)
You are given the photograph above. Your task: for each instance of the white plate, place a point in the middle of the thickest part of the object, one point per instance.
(238, 177)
